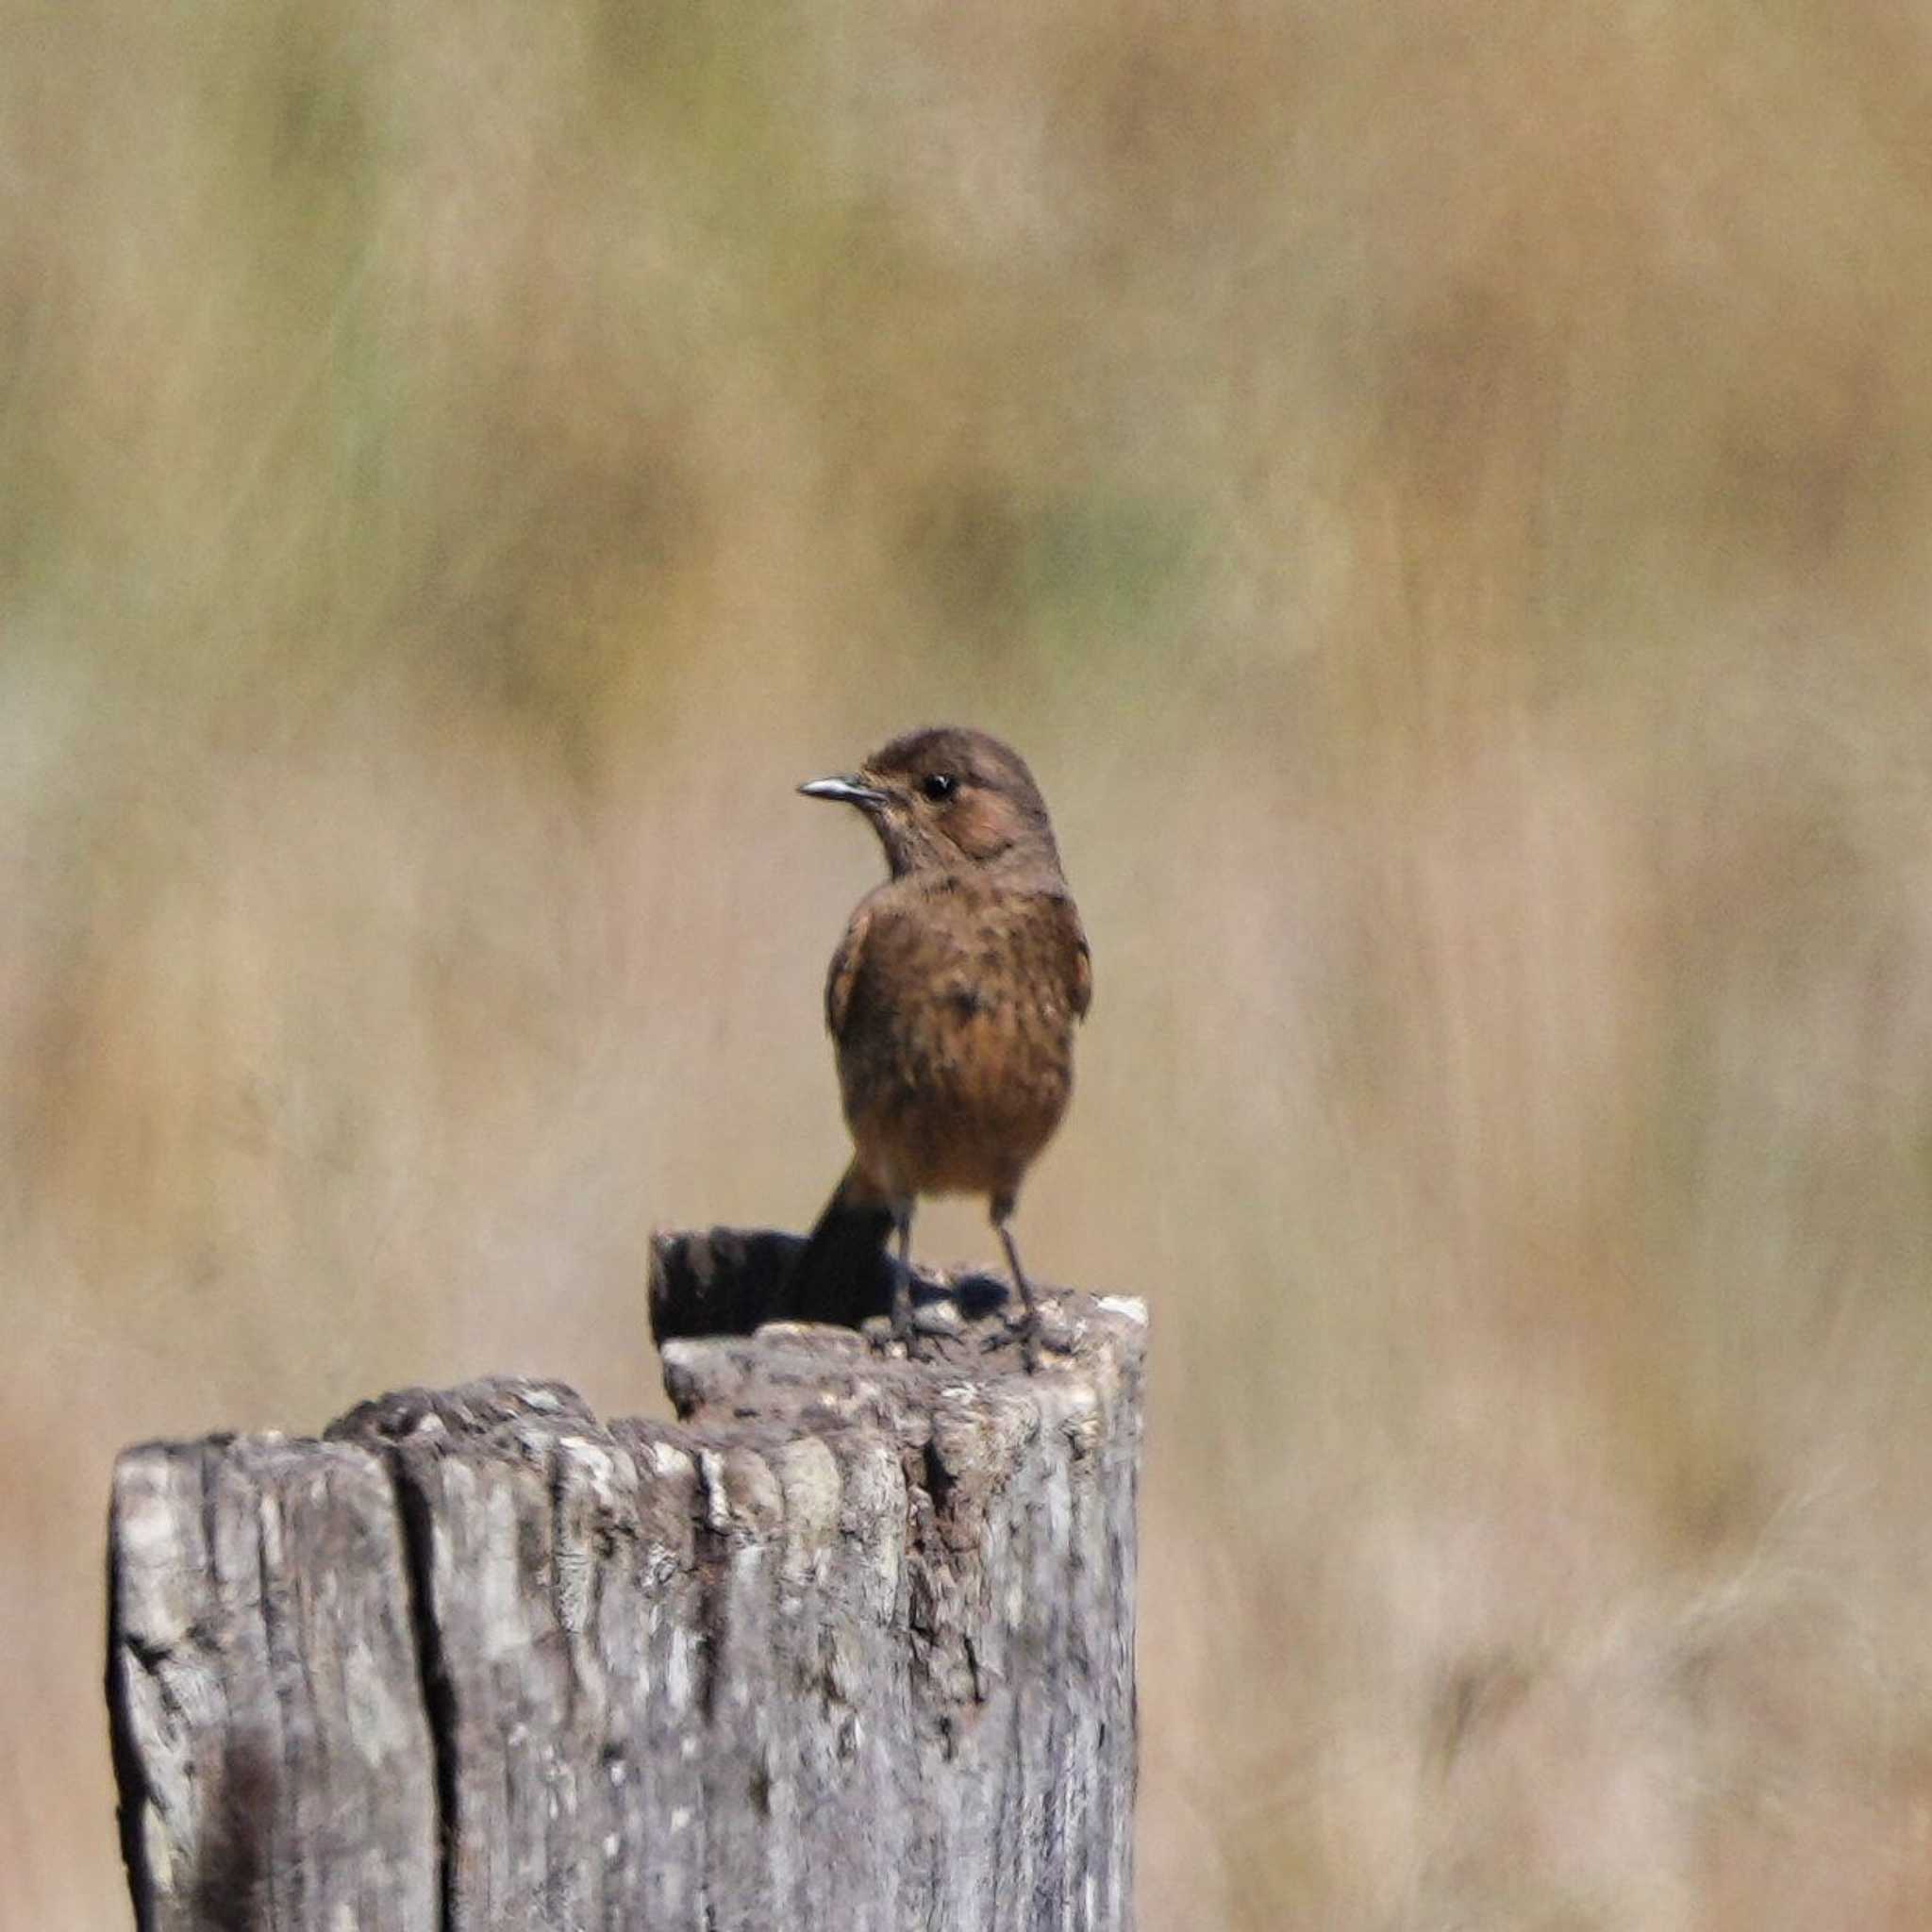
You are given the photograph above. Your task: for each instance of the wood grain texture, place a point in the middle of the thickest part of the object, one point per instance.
(849, 1645)
(274, 1756)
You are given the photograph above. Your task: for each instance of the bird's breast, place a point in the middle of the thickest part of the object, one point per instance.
(955, 1063)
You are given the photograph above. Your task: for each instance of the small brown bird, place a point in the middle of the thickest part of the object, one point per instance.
(952, 1002)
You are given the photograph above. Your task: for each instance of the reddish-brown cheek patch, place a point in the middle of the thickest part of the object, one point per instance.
(982, 823)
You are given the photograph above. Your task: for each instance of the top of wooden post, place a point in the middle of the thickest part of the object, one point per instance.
(722, 1283)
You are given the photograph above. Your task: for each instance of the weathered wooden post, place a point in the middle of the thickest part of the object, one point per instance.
(849, 1645)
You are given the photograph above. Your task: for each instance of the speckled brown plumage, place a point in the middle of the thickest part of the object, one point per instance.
(952, 1001)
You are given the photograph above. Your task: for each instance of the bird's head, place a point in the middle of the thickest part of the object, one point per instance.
(949, 798)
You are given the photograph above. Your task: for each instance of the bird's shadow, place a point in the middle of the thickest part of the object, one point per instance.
(731, 1281)
(977, 1293)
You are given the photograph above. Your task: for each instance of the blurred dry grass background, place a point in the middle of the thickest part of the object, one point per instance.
(1441, 493)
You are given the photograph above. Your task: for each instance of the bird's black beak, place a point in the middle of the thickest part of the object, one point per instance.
(848, 792)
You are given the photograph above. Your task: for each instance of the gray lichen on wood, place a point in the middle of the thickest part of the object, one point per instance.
(849, 1645)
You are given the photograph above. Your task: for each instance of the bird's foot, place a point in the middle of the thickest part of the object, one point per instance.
(902, 1305)
(904, 1330)
(1044, 1335)
(884, 1338)
(1032, 1350)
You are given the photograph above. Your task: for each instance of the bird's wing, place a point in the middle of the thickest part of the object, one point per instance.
(1080, 989)
(843, 974)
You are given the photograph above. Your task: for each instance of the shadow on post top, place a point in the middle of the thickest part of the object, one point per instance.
(729, 1281)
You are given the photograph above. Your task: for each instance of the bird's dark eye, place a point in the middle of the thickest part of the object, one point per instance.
(938, 785)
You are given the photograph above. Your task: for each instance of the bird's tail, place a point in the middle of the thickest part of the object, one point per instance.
(843, 1272)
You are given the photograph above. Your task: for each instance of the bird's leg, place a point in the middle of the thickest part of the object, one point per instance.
(1030, 1327)
(902, 1278)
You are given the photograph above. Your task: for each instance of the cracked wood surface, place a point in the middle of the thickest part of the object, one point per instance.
(848, 1645)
